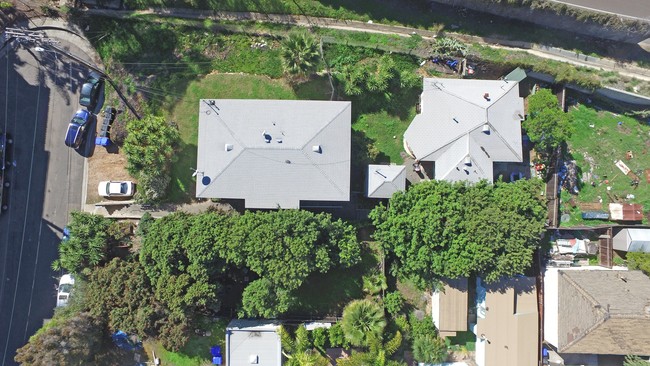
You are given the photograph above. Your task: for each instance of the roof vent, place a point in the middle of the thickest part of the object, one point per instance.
(228, 147)
(486, 128)
(380, 173)
(316, 149)
(468, 160)
(466, 170)
(278, 140)
(288, 161)
(253, 359)
(455, 120)
(486, 96)
(267, 137)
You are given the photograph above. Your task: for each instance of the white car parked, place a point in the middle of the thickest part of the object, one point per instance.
(116, 189)
(65, 288)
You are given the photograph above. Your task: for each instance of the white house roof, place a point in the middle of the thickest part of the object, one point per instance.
(274, 153)
(253, 340)
(467, 125)
(384, 180)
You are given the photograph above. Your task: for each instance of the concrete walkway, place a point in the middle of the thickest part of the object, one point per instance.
(135, 211)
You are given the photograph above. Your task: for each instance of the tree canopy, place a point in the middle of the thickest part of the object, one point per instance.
(149, 148)
(439, 229)
(186, 256)
(547, 125)
(72, 341)
(88, 243)
(120, 294)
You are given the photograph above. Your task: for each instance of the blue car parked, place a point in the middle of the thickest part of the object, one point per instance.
(77, 128)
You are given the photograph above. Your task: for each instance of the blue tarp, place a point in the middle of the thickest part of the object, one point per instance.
(122, 341)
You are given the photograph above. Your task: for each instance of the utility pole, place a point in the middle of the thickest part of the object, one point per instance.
(40, 40)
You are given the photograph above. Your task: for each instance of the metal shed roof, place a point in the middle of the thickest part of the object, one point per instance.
(384, 180)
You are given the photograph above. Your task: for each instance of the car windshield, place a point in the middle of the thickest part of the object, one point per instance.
(108, 189)
(65, 288)
(78, 120)
(123, 188)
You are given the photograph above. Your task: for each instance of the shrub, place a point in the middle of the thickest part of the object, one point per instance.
(362, 321)
(319, 337)
(393, 302)
(638, 260)
(336, 336)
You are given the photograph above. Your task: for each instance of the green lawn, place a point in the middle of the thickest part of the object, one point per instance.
(197, 350)
(185, 114)
(386, 133)
(596, 148)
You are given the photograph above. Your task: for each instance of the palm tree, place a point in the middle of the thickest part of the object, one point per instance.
(362, 320)
(429, 349)
(300, 53)
(299, 350)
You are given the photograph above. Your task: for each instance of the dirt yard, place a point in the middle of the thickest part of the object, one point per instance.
(105, 164)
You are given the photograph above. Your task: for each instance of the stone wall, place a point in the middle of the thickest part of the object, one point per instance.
(548, 18)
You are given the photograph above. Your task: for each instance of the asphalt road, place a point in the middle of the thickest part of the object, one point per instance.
(639, 9)
(38, 96)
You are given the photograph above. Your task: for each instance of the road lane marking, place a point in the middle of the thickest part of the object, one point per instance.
(22, 241)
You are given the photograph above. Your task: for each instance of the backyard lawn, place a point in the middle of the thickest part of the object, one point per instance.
(197, 350)
(378, 127)
(600, 139)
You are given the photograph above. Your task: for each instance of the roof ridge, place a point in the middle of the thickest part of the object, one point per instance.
(347, 105)
(462, 98)
(504, 94)
(596, 304)
(239, 152)
(496, 132)
(329, 179)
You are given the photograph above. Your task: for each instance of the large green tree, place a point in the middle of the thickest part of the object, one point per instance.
(547, 125)
(187, 256)
(120, 293)
(68, 342)
(440, 229)
(149, 148)
(88, 244)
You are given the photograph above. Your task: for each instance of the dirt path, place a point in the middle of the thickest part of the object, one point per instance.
(553, 53)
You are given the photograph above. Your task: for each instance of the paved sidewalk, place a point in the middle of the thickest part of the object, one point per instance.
(135, 211)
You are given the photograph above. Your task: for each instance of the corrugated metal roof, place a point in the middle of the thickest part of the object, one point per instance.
(384, 180)
(458, 120)
(274, 153)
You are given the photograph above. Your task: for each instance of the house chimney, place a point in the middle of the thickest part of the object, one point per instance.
(316, 149)
(468, 160)
(486, 128)
(228, 147)
(486, 96)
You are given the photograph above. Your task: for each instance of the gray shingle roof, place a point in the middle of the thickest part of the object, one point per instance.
(274, 153)
(457, 122)
(603, 312)
(384, 180)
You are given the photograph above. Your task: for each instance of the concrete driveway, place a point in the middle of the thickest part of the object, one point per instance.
(38, 96)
